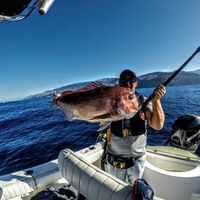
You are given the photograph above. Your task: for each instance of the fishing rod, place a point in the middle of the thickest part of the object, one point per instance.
(169, 79)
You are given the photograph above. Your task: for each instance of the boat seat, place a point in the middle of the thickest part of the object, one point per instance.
(25, 182)
(90, 181)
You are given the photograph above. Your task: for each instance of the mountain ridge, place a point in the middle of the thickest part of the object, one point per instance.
(152, 79)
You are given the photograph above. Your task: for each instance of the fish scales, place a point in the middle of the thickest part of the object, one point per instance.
(98, 103)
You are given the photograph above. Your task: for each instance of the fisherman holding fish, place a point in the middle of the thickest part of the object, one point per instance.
(127, 138)
(117, 107)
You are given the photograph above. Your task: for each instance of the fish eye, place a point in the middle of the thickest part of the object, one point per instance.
(130, 97)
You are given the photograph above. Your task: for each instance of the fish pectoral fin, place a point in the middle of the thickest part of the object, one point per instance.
(103, 116)
(103, 125)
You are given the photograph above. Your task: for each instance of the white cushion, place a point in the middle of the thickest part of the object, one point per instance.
(92, 182)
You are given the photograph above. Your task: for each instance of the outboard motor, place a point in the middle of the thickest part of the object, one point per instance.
(185, 133)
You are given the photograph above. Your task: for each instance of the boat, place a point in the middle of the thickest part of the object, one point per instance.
(173, 173)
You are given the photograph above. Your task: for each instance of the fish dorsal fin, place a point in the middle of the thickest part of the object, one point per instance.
(92, 85)
(89, 87)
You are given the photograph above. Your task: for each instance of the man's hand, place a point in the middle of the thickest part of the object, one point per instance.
(159, 92)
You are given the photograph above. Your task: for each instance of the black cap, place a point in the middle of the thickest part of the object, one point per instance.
(126, 73)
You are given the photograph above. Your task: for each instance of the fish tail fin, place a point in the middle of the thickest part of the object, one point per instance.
(54, 102)
(57, 97)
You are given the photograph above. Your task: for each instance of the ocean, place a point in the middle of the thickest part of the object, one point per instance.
(33, 132)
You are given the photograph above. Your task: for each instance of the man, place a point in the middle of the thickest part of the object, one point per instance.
(127, 138)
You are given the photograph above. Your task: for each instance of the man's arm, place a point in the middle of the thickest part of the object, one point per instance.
(156, 117)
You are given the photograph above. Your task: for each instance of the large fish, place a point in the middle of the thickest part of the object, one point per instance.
(98, 103)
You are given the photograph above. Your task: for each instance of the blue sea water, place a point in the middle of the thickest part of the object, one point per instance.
(33, 132)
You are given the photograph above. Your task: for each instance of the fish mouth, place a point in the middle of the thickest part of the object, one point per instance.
(125, 115)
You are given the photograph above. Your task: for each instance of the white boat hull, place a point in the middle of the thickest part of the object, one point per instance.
(173, 176)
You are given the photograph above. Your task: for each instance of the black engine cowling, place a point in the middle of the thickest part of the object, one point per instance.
(185, 133)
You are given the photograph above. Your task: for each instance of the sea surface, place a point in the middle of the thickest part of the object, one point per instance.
(33, 132)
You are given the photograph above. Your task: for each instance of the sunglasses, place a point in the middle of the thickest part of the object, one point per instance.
(125, 81)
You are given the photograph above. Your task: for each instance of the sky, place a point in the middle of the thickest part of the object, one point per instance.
(85, 40)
